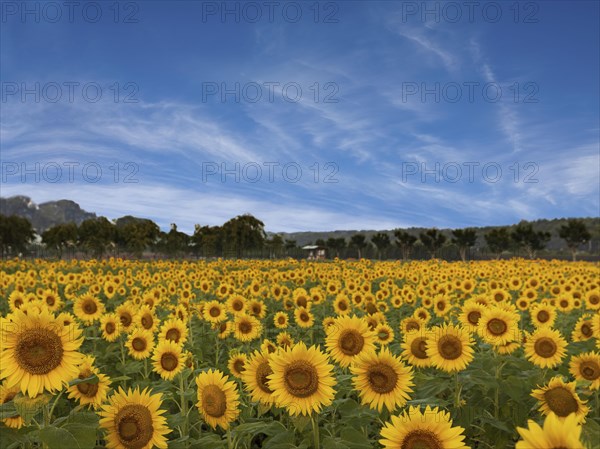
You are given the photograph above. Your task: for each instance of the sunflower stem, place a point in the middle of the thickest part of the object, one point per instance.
(183, 404)
(315, 425)
(53, 406)
(456, 390)
(229, 442)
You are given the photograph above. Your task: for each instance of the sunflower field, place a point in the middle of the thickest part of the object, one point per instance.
(287, 354)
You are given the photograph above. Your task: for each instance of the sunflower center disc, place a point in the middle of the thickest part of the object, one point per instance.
(412, 326)
(147, 322)
(139, 344)
(90, 307)
(351, 342)
(39, 351)
(590, 370)
(543, 316)
(594, 299)
(497, 326)
(134, 425)
(382, 378)
(169, 361)
(473, 317)
(237, 306)
(125, 319)
(215, 312)
(238, 365)
(418, 348)
(586, 330)
(87, 389)
(110, 328)
(561, 401)
(545, 347)
(262, 373)
(245, 327)
(173, 335)
(50, 300)
(214, 401)
(301, 379)
(450, 347)
(421, 439)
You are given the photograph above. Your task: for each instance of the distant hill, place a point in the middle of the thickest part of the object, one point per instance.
(45, 215)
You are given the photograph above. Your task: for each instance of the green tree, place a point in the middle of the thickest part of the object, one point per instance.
(208, 240)
(406, 242)
(275, 245)
(382, 241)
(575, 233)
(498, 240)
(243, 233)
(531, 241)
(432, 240)
(464, 239)
(96, 235)
(60, 237)
(174, 243)
(136, 234)
(358, 241)
(15, 234)
(336, 245)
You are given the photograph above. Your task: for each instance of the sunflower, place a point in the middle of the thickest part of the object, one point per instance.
(281, 320)
(498, 326)
(174, 330)
(38, 354)
(564, 303)
(592, 299)
(257, 309)
(450, 348)
(583, 329)
(236, 304)
(411, 324)
(92, 394)
(133, 420)
(302, 379)
(422, 313)
(146, 319)
(303, 317)
(218, 399)
(16, 300)
(470, 314)
(88, 308)
(341, 304)
(384, 334)
(214, 312)
(167, 359)
(6, 395)
(237, 363)
(110, 325)
(560, 398)
(556, 433)
(126, 314)
(52, 300)
(441, 305)
(347, 338)
(415, 349)
(414, 429)
(586, 366)
(545, 348)
(284, 339)
(246, 328)
(381, 379)
(543, 315)
(256, 378)
(140, 344)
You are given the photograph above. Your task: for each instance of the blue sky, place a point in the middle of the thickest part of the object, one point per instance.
(367, 111)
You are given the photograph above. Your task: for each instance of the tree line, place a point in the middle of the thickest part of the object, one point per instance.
(245, 235)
